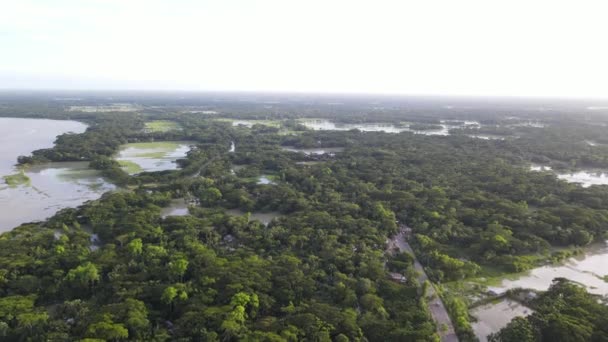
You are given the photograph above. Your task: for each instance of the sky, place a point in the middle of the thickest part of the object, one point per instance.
(432, 47)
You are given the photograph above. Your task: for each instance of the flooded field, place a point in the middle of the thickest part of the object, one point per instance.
(178, 207)
(529, 123)
(314, 151)
(151, 156)
(265, 180)
(487, 136)
(265, 218)
(327, 125)
(495, 316)
(540, 168)
(114, 107)
(584, 178)
(250, 123)
(308, 163)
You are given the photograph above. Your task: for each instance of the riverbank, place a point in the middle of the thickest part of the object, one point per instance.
(509, 294)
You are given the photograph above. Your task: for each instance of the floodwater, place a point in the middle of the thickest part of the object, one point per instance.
(245, 123)
(51, 186)
(265, 180)
(540, 168)
(327, 125)
(22, 136)
(494, 316)
(584, 178)
(265, 218)
(587, 269)
(178, 207)
(487, 136)
(314, 151)
(251, 123)
(152, 156)
(308, 163)
(529, 123)
(232, 147)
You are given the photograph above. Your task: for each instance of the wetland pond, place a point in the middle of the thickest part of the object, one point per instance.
(588, 269)
(494, 316)
(152, 156)
(45, 188)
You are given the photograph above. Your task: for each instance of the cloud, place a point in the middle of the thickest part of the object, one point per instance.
(448, 47)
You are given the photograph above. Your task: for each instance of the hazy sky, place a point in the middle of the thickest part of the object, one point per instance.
(484, 47)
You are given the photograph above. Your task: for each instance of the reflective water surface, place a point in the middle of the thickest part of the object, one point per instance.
(585, 178)
(313, 151)
(587, 269)
(495, 316)
(152, 156)
(327, 125)
(45, 188)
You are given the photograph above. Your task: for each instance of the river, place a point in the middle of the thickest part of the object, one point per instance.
(48, 187)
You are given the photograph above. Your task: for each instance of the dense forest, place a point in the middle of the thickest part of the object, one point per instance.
(320, 270)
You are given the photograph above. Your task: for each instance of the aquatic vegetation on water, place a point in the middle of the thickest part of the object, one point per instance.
(17, 179)
(129, 166)
(159, 154)
(154, 145)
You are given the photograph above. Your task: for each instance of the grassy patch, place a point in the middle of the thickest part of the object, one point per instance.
(17, 179)
(130, 166)
(161, 126)
(284, 131)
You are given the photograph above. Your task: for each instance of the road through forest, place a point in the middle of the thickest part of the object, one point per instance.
(436, 306)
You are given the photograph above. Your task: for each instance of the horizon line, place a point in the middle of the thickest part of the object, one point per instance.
(304, 93)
